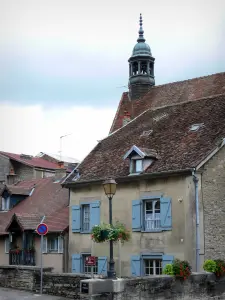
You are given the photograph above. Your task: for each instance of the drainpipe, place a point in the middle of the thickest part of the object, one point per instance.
(195, 180)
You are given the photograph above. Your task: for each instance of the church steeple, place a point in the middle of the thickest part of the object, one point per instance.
(141, 67)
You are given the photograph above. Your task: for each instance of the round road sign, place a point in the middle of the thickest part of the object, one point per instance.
(42, 229)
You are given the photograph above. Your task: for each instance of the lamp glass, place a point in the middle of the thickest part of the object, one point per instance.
(110, 187)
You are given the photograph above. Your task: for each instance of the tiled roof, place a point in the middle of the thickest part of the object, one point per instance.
(33, 162)
(170, 93)
(177, 147)
(48, 198)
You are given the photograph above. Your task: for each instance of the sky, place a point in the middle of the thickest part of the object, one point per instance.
(63, 63)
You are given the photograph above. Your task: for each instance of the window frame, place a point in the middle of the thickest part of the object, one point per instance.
(82, 205)
(83, 256)
(150, 256)
(145, 199)
(49, 240)
(7, 244)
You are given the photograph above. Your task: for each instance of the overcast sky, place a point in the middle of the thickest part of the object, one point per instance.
(63, 64)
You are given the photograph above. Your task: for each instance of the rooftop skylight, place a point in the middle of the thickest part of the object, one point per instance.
(147, 132)
(195, 127)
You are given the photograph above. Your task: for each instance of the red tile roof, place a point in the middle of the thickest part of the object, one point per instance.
(177, 147)
(33, 162)
(170, 93)
(48, 198)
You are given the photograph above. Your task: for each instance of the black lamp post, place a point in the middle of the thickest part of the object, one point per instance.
(110, 190)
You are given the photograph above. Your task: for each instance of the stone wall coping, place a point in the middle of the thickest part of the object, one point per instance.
(21, 267)
(67, 275)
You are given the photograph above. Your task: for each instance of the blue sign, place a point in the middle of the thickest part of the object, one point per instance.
(42, 229)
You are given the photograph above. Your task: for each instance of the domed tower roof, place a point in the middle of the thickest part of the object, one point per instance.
(141, 67)
(141, 48)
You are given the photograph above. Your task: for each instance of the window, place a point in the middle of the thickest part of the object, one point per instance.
(152, 267)
(85, 216)
(5, 203)
(7, 244)
(138, 166)
(78, 264)
(87, 269)
(53, 244)
(85, 222)
(149, 264)
(152, 214)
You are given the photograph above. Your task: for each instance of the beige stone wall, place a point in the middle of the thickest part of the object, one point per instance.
(54, 260)
(178, 242)
(213, 192)
(4, 257)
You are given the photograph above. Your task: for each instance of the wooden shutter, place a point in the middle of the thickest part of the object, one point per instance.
(165, 213)
(167, 259)
(136, 215)
(94, 214)
(135, 264)
(76, 218)
(76, 263)
(102, 265)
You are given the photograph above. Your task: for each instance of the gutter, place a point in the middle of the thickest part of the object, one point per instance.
(128, 178)
(195, 180)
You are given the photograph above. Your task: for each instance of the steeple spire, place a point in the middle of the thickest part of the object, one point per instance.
(141, 32)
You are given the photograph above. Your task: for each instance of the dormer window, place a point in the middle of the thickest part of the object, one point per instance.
(140, 159)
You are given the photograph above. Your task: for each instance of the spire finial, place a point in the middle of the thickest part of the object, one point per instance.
(141, 31)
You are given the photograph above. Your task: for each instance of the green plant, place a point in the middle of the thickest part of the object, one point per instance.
(168, 270)
(210, 266)
(99, 233)
(179, 268)
(107, 232)
(220, 267)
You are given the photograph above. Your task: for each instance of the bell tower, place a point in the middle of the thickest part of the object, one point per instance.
(141, 68)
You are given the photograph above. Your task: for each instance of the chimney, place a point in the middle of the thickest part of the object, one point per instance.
(126, 117)
(60, 172)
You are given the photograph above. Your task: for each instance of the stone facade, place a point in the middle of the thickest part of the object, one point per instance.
(22, 171)
(213, 194)
(4, 168)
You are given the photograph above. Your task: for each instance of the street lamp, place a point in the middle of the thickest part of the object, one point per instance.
(110, 190)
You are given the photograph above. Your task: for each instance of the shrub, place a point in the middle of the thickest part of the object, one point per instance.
(178, 268)
(220, 267)
(210, 266)
(168, 270)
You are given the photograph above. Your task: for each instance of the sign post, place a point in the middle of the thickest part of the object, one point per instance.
(42, 230)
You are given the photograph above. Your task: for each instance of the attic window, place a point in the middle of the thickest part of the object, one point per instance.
(137, 166)
(195, 127)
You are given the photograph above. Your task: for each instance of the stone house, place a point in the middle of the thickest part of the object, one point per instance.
(166, 152)
(15, 167)
(23, 206)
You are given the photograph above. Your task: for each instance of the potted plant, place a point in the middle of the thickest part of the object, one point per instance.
(99, 233)
(179, 268)
(215, 266)
(107, 232)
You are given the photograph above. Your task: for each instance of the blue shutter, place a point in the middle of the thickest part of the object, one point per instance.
(167, 259)
(94, 214)
(76, 218)
(136, 215)
(166, 213)
(76, 263)
(135, 264)
(102, 265)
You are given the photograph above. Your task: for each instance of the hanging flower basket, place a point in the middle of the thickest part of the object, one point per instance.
(107, 232)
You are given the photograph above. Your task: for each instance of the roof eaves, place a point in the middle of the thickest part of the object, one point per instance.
(132, 178)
